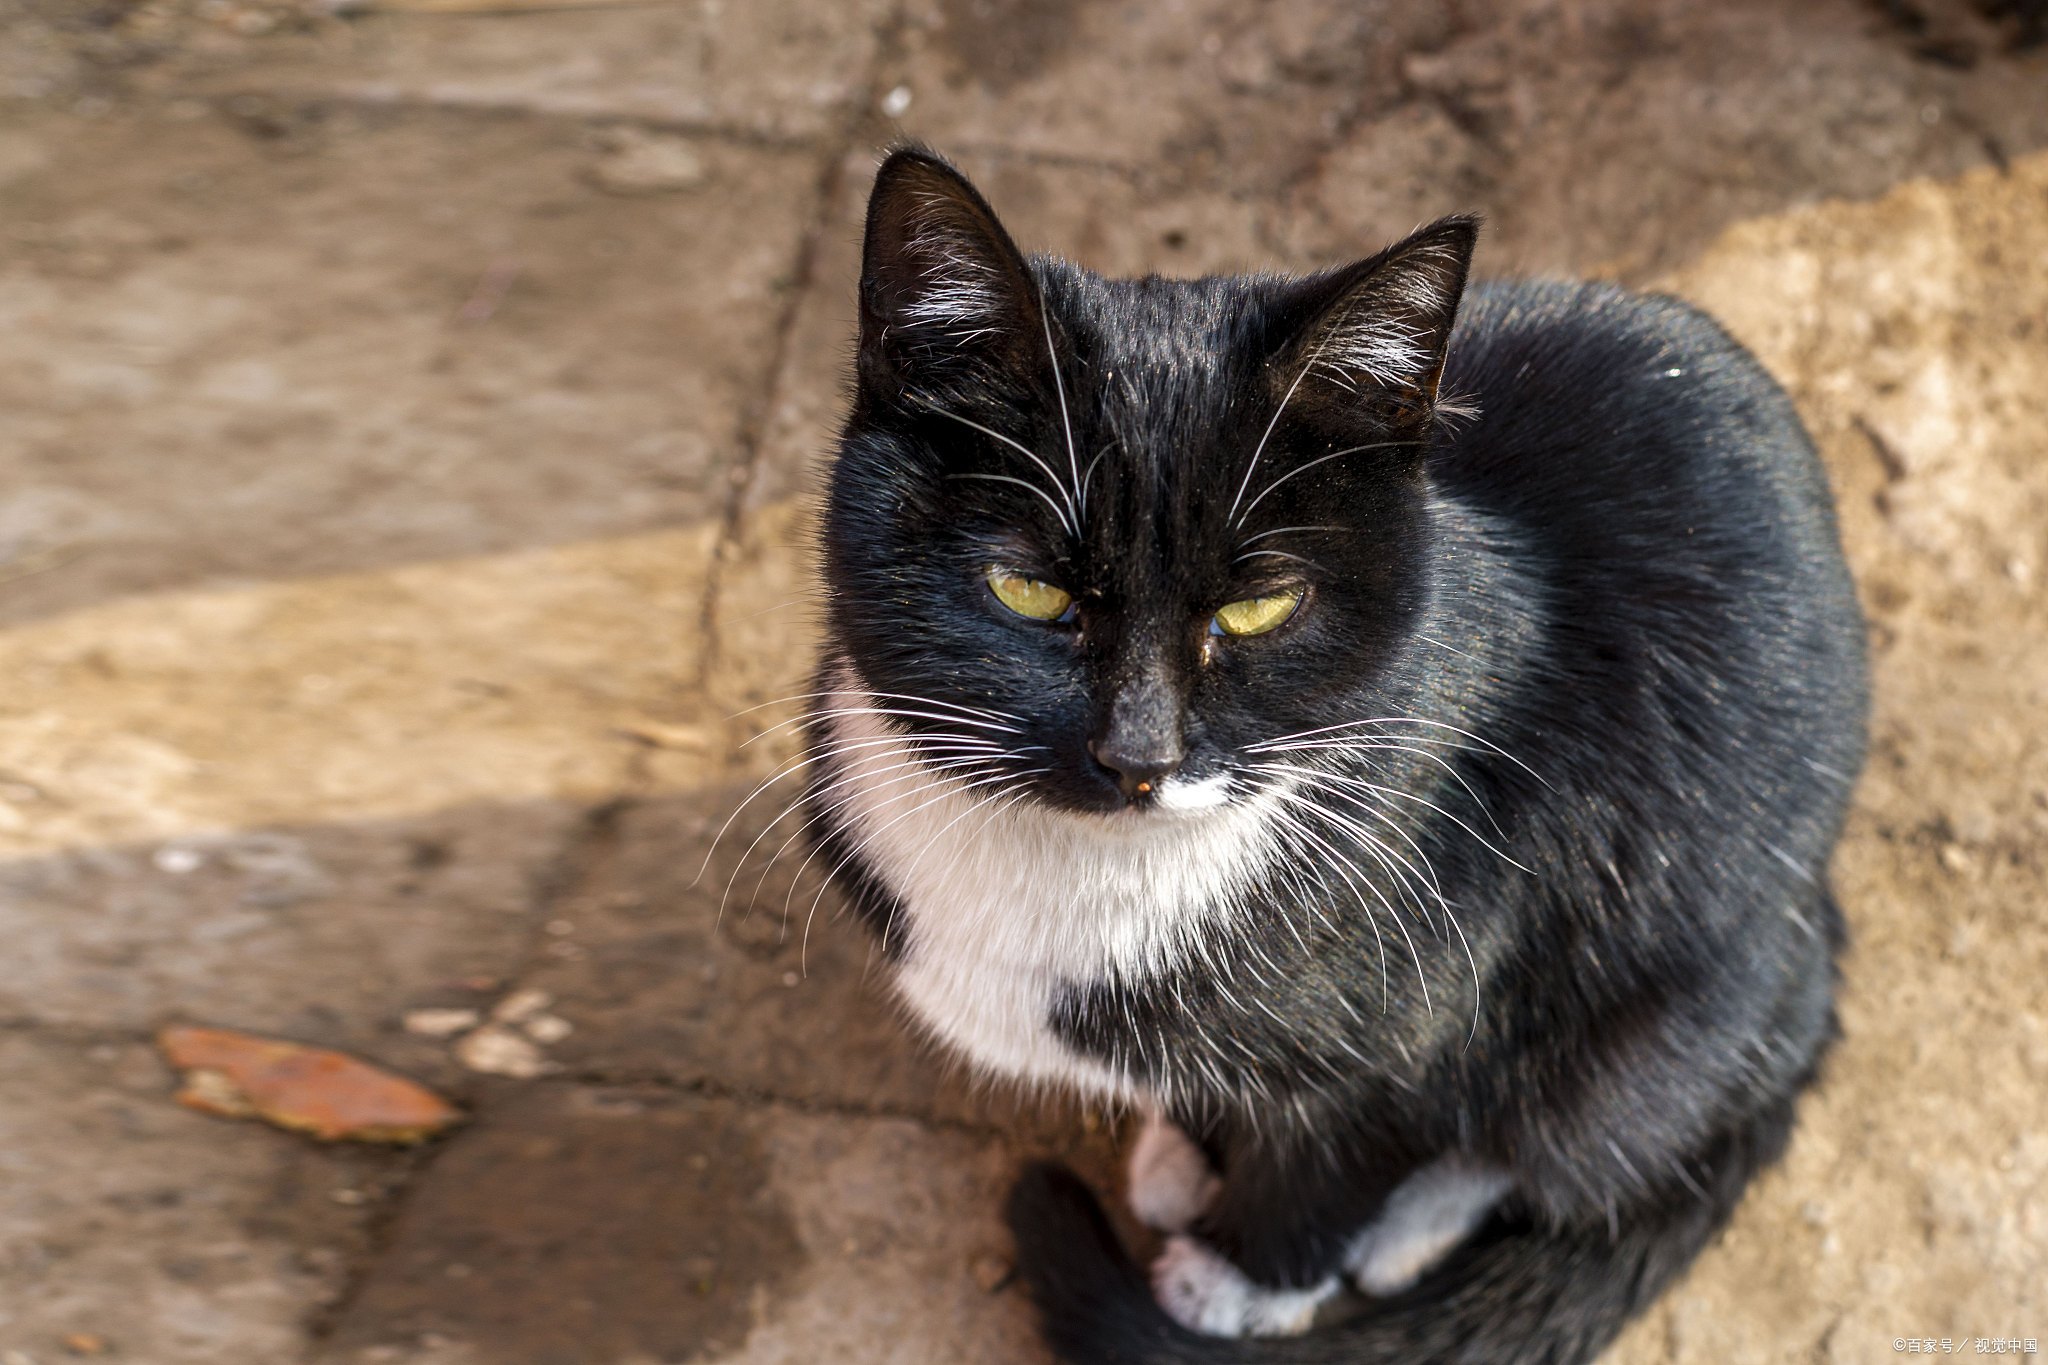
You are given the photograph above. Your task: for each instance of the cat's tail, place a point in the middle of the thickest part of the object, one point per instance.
(1529, 1294)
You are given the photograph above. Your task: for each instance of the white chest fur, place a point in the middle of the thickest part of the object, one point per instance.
(1007, 901)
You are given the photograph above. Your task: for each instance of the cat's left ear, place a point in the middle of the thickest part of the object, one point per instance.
(1381, 328)
(945, 295)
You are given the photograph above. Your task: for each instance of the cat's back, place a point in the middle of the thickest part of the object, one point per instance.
(1632, 441)
(1590, 390)
(1670, 519)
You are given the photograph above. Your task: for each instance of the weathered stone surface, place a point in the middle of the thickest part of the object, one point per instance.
(1613, 138)
(276, 341)
(175, 1239)
(775, 68)
(574, 1225)
(1618, 138)
(1195, 88)
(324, 934)
(898, 1224)
(618, 1223)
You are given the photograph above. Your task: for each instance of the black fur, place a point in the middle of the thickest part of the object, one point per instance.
(1617, 590)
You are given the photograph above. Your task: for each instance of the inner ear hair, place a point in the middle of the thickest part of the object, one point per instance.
(1383, 325)
(941, 281)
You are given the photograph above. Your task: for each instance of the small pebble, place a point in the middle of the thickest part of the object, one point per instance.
(441, 1023)
(896, 103)
(500, 1052)
(521, 1004)
(548, 1028)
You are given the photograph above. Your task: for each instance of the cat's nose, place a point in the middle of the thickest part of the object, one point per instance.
(1140, 741)
(1139, 762)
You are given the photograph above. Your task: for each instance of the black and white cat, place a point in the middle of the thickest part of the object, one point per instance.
(1409, 780)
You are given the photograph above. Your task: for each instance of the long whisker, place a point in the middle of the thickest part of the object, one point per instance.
(1278, 554)
(1358, 749)
(917, 858)
(1345, 868)
(1286, 530)
(1324, 781)
(1272, 422)
(890, 712)
(1052, 358)
(789, 767)
(868, 780)
(1333, 781)
(1068, 518)
(1421, 979)
(951, 789)
(988, 711)
(1031, 488)
(1307, 465)
(1487, 744)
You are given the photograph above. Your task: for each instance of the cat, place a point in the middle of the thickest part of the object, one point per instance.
(1388, 733)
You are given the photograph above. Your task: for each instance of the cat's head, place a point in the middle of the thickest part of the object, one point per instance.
(1126, 530)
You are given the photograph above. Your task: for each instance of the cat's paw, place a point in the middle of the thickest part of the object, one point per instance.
(1205, 1293)
(1171, 1184)
(1429, 1214)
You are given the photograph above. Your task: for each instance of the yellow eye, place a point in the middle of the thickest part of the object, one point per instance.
(1256, 615)
(1031, 597)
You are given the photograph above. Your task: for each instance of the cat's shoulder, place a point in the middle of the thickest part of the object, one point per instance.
(1555, 324)
(1620, 390)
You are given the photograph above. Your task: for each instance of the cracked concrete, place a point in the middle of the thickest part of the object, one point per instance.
(406, 422)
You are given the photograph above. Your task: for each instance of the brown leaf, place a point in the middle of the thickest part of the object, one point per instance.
(328, 1094)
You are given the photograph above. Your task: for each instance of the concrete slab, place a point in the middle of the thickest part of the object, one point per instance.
(326, 934)
(579, 1223)
(1185, 90)
(771, 69)
(1619, 139)
(168, 1237)
(338, 339)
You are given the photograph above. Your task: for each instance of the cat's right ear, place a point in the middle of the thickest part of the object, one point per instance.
(944, 292)
(1380, 329)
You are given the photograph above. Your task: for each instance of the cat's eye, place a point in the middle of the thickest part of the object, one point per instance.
(1256, 615)
(1032, 597)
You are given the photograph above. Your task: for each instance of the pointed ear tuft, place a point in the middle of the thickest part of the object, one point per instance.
(1382, 327)
(942, 285)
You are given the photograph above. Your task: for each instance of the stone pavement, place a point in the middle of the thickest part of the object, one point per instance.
(405, 420)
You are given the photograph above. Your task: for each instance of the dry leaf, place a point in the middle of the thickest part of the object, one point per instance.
(328, 1094)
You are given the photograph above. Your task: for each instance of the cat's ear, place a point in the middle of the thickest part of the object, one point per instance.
(1381, 328)
(943, 289)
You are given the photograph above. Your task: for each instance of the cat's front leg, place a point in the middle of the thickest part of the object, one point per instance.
(1269, 1247)
(1203, 1291)
(1171, 1182)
